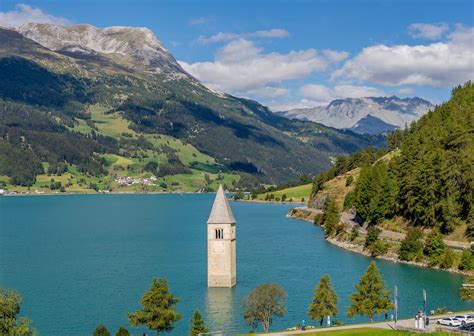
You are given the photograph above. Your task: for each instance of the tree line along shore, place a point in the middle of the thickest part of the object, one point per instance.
(159, 307)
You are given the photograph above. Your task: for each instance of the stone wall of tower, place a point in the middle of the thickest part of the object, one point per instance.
(221, 256)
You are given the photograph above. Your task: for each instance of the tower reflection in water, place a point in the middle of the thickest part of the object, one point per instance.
(220, 306)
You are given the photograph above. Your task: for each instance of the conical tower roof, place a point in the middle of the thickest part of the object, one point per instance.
(221, 212)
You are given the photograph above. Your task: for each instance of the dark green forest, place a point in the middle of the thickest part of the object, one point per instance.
(44, 95)
(430, 179)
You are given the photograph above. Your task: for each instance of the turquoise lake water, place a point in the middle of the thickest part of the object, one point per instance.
(80, 261)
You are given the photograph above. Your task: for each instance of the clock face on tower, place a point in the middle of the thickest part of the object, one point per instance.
(218, 247)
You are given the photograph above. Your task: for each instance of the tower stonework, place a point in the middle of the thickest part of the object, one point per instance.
(221, 239)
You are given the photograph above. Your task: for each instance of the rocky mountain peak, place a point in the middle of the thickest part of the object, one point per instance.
(365, 115)
(138, 44)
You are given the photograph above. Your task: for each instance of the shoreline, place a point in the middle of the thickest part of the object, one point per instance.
(308, 217)
(355, 248)
(102, 193)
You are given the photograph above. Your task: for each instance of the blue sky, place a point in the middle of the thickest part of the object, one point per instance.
(294, 53)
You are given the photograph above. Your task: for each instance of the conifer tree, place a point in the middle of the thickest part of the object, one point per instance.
(159, 308)
(330, 216)
(197, 325)
(324, 301)
(375, 193)
(370, 296)
(101, 330)
(122, 332)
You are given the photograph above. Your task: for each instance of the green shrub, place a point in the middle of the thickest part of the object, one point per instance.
(378, 248)
(434, 247)
(411, 247)
(372, 236)
(447, 260)
(318, 219)
(467, 261)
(349, 180)
(354, 233)
(349, 200)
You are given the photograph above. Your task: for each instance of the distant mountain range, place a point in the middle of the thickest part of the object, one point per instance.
(77, 94)
(370, 115)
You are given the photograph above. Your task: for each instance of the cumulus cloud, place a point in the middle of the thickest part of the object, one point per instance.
(427, 31)
(442, 64)
(313, 94)
(225, 37)
(240, 67)
(25, 14)
(269, 92)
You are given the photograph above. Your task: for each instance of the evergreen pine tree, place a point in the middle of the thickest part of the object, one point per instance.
(122, 332)
(370, 296)
(197, 325)
(158, 312)
(330, 216)
(364, 193)
(324, 301)
(101, 330)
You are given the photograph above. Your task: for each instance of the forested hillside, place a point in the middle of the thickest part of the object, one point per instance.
(96, 117)
(428, 180)
(413, 203)
(435, 171)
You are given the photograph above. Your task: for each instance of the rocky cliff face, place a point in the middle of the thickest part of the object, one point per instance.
(352, 113)
(135, 44)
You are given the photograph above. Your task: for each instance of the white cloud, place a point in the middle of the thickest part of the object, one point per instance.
(240, 67)
(269, 92)
(335, 56)
(351, 91)
(225, 37)
(442, 64)
(198, 21)
(276, 105)
(25, 14)
(427, 31)
(313, 94)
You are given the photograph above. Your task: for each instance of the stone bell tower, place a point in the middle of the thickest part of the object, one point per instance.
(221, 256)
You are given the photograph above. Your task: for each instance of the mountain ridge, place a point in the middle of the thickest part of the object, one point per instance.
(346, 113)
(138, 43)
(66, 89)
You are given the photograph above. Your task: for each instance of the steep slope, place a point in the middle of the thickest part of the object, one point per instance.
(347, 113)
(126, 73)
(428, 181)
(137, 45)
(372, 125)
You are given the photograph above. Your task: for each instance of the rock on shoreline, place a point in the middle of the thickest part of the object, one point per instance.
(308, 214)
